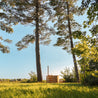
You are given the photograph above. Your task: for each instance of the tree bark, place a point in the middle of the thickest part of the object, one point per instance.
(38, 63)
(71, 44)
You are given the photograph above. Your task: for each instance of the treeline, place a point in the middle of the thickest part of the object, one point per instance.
(61, 13)
(89, 77)
(9, 80)
(32, 79)
(17, 80)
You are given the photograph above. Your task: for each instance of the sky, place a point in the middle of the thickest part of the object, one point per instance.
(17, 64)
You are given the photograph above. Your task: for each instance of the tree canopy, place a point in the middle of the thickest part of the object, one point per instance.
(5, 25)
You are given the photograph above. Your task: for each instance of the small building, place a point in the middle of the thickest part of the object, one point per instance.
(52, 78)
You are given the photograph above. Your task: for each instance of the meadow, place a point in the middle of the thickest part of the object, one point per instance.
(46, 90)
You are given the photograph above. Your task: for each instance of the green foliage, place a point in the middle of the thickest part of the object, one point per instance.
(26, 10)
(24, 81)
(91, 78)
(44, 81)
(5, 25)
(25, 41)
(61, 23)
(33, 77)
(93, 66)
(94, 30)
(68, 75)
(4, 80)
(87, 52)
(3, 48)
(91, 6)
(78, 34)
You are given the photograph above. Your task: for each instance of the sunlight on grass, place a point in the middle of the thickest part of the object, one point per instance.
(46, 90)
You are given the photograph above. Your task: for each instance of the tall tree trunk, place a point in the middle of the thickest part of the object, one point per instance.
(71, 44)
(38, 64)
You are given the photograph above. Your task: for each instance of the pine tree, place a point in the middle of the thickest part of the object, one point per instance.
(36, 13)
(66, 25)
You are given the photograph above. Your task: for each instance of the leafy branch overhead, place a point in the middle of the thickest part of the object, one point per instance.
(25, 41)
(24, 12)
(5, 25)
(91, 6)
(3, 48)
(87, 51)
(44, 39)
(61, 23)
(27, 15)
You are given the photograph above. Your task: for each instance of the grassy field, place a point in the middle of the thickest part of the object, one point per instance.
(45, 90)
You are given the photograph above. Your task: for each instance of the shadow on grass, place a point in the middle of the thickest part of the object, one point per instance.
(63, 91)
(67, 84)
(58, 84)
(68, 93)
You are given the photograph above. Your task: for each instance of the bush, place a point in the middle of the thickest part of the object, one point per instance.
(68, 78)
(44, 81)
(33, 77)
(24, 80)
(68, 75)
(91, 79)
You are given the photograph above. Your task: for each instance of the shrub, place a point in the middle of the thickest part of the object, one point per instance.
(33, 77)
(30, 81)
(44, 81)
(90, 79)
(68, 75)
(24, 80)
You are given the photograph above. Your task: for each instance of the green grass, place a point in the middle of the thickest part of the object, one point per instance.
(45, 90)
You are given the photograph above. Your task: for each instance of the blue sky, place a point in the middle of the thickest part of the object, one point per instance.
(17, 64)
